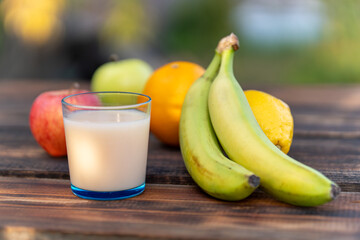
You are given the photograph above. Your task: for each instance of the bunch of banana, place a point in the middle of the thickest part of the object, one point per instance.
(218, 96)
(210, 169)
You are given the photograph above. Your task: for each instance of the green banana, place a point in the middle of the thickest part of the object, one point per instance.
(209, 168)
(245, 143)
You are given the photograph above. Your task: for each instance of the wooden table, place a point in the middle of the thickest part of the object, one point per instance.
(36, 201)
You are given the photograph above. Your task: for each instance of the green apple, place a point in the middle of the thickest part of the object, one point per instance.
(128, 75)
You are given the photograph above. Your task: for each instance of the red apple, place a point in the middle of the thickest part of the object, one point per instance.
(46, 121)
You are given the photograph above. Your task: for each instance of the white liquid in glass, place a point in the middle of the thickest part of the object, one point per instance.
(107, 149)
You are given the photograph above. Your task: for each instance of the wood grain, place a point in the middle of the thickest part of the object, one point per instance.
(336, 157)
(171, 212)
(343, 97)
(326, 137)
(319, 108)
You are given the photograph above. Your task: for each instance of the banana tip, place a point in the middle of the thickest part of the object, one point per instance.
(254, 181)
(335, 191)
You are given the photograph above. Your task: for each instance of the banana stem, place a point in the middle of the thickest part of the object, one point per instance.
(227, 58)
(226, 47)
(213, 68)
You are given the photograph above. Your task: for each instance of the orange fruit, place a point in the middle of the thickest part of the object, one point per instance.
(167, 87)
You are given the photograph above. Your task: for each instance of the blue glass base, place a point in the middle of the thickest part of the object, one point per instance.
(123, 194)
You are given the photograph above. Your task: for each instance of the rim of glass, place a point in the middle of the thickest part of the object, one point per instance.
(63, 101)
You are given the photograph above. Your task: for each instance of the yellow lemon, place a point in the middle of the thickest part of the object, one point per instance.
(274, 117)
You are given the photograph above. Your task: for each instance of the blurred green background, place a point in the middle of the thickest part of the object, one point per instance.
(281, 41)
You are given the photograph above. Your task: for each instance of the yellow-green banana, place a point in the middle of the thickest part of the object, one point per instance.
(204, 160)
(245, 143)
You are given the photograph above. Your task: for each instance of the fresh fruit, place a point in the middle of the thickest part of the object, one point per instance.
(245, 143)
(128, 75)
(209, 168)
(273, 116)
(167, 87)
(46, 121)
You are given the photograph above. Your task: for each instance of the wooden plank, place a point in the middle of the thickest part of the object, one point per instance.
(326, 134)
(323, 121)
(345, 97)
(21, 156)
(170, 212)
(338, 158)
(305, 119)
(321, 108)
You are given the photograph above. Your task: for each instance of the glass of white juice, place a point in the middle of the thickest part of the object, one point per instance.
(107, 135)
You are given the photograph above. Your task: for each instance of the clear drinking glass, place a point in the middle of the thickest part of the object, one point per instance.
(107, 135)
